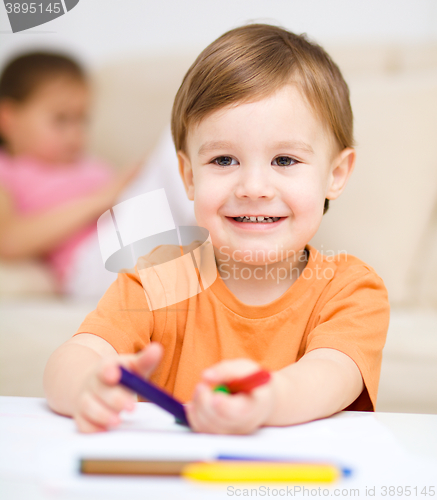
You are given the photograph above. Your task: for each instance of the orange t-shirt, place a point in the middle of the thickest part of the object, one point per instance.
(337, 302)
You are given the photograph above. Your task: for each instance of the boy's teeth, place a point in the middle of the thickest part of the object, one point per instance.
(260, 218)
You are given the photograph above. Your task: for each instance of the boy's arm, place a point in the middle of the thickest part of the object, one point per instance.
(69, 366)
(323, 382)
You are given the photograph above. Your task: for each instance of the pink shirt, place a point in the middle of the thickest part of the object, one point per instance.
(37, 187)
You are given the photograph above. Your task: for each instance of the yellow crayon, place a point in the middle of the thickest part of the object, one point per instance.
(236, 471)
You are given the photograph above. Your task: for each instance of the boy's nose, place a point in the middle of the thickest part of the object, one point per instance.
(254, 183)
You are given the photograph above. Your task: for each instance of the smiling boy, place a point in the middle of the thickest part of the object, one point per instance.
(262, 127)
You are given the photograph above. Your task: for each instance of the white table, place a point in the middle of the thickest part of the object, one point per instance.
(36, 448)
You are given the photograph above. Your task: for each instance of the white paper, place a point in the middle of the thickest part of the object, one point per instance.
(44, 446)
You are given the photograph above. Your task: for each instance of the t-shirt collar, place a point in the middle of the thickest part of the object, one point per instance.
(314, 275)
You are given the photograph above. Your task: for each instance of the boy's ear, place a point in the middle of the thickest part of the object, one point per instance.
(186, 173)
(341, 169)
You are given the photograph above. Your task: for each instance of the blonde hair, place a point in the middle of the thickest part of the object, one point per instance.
(252, 62)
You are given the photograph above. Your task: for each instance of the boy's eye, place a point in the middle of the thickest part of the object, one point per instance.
(223, 161)
(281, 161)
(284, 161)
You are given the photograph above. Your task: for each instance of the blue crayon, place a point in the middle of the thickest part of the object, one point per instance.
(154, 394)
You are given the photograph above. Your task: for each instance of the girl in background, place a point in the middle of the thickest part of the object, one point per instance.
(51, 194)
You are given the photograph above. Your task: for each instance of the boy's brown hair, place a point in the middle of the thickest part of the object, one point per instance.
(252, 62)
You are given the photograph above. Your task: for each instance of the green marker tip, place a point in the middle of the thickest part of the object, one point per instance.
(222, 388)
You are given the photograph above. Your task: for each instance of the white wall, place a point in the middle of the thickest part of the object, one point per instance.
(101, 29)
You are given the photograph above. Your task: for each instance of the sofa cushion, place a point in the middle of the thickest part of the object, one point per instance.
(25, 278)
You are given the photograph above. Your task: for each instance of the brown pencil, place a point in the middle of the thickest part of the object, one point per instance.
(133, 467)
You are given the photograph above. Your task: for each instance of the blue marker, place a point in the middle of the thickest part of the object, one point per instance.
(154, 394)
(247, 458)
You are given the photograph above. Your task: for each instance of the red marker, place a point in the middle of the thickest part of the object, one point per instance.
(245, 384)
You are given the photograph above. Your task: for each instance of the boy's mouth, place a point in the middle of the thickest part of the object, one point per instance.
(255, 222)
(256, 219)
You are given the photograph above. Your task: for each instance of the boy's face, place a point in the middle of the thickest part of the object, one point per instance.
(51, 124)
(271, 158)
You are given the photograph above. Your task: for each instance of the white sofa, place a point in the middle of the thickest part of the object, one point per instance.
(387, 216)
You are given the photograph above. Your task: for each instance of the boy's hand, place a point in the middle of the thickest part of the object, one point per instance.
(220, 413)
(101, 399)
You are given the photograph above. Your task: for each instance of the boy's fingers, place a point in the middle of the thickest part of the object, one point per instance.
(98, 413)
(225, 414)
(232, 411)
(143, 363)
(207, 417)
(235, 414)
(192, 418)
(201, 423)
(85, 426)
(147, 360)
(230, 369)
(109, 373)
(236, 407)
(115, 398)
(195, 411)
